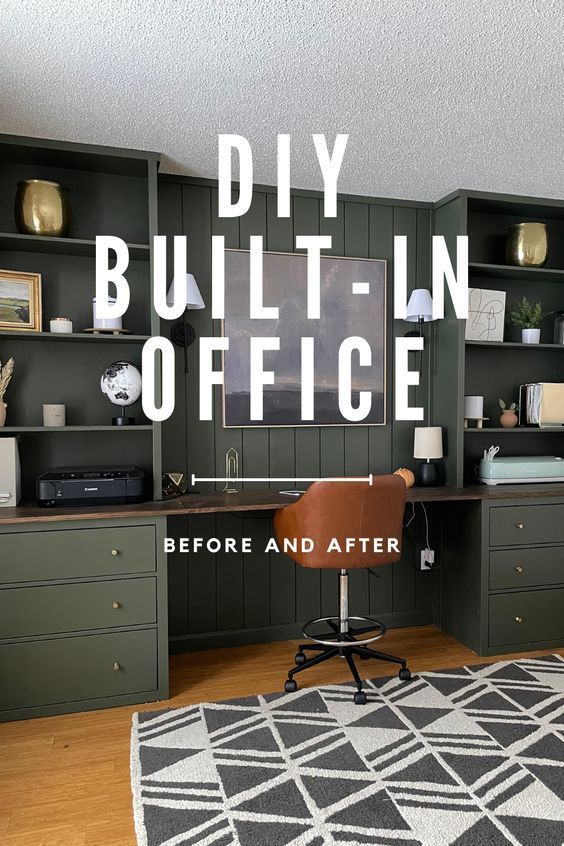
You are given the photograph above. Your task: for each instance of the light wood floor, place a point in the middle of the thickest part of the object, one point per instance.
(64, 781)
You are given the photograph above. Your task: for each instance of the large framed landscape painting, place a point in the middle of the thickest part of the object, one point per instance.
(352, 302)
(20, 301)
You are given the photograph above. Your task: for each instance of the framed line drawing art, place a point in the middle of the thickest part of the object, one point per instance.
(20, 301)
(352, 303)
(486, 315)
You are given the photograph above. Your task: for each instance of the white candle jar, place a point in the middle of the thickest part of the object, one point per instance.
(60, 326)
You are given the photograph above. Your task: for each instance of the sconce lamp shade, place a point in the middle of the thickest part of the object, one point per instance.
(194, 299)
(419, 307)
(428, 442)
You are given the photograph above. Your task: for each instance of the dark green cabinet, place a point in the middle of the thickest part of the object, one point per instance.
(522, 524)
(76, 553)
(526, 567)
(74, 669)
(50, 609)
(526, 616)
(500, 595)
(83, 616)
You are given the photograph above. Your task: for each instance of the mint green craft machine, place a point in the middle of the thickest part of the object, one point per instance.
(515, 470)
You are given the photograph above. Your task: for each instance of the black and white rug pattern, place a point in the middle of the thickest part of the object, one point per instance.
(466, 757)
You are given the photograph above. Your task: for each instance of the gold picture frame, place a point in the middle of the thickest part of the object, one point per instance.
(20, 301)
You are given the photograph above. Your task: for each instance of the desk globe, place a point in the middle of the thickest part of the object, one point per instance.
(121, 383)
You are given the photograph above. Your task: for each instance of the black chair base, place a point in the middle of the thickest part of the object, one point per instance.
(345, 645)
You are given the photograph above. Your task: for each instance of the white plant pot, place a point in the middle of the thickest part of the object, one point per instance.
(530, 336)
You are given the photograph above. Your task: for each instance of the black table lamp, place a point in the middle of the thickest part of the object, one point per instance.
(428, 445)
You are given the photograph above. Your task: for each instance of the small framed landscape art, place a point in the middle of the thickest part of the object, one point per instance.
(352, 303)
(20, 301)
(486, 315)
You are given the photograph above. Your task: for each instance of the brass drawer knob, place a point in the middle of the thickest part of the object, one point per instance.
(518, 568)
(519, 525)
(115, 552)
(116, 667)
(116, 605)
(518, 619)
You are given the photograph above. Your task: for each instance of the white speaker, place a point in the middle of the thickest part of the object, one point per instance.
(10, 473)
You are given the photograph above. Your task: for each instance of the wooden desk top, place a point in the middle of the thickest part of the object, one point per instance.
(211, 503)
(250, 500)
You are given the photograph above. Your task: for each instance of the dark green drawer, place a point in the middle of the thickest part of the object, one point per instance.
(526, 524)
(526, 567)
(75, 553)
(77, 607)
(76, 668)
(526, 617)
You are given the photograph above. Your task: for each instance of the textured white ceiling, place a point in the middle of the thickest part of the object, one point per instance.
(434, 94)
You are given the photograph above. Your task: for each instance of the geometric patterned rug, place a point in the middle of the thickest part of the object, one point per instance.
(466, 757)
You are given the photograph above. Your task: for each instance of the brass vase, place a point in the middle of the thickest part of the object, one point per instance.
(527, 244)
(41, 208)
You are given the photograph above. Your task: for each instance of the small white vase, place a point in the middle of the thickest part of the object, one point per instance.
(3, 408)
(530, 336)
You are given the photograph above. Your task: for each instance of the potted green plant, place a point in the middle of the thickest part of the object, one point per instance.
(508, 418)
(527, 317)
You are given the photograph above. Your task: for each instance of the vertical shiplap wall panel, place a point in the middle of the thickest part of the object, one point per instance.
(174, 456)
(227, 592)
(280, 238)
(356, 437)
(255, 462)
(405, 223)
(255, 441)
(307, 441)
(332, 438)
(199, 434)
(425, 582)
(229, 565)
(202, 579)
(197, 226)
(380, 246)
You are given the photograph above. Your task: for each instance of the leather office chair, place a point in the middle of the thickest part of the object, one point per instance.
(341, 510)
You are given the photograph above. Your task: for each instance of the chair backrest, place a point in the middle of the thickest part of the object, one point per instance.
(341, 514)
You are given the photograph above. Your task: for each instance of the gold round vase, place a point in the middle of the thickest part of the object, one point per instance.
(41, 208)
(527, 244)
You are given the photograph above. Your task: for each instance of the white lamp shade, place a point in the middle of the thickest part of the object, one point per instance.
(420, 306)
(194, 299)
(428, 442)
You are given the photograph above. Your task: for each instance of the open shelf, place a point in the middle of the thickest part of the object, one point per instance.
(514, 273)
(518, 430)
(513, 345)
(74, 336)
(49, 152)
(63, 246)
(24, 430)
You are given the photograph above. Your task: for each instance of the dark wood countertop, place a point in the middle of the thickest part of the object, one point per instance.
(212, 503)
(256, 500)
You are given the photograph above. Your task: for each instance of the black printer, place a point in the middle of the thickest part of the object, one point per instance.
(91, 486)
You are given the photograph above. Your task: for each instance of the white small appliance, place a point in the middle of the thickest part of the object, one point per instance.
(107, 323)
(10, 473)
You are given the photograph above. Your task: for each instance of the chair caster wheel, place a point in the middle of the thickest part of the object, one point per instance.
(360, 698)
(290, 686)
(299, 658)
(405, 674)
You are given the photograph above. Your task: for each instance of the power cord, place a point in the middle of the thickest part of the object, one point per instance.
(406, 525)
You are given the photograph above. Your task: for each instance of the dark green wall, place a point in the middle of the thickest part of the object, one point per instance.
(231, 598)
